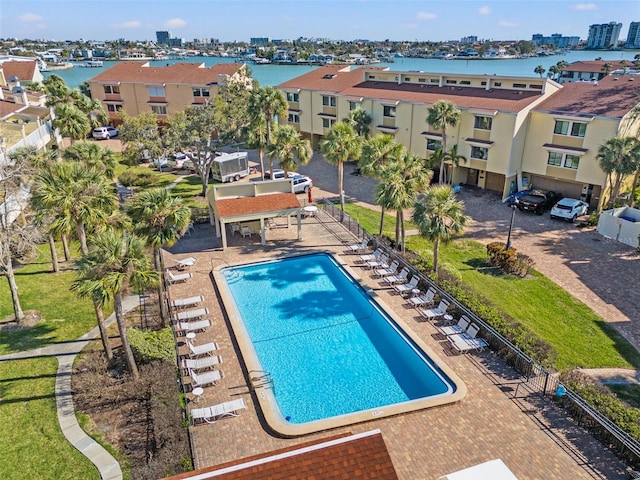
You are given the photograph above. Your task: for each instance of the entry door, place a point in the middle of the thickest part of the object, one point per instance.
(472, 177)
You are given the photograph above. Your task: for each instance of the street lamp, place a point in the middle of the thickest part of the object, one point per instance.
(513, 215)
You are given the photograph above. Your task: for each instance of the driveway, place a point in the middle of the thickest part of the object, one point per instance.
(602, 273)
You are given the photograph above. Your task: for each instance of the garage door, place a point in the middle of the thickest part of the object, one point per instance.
(567, 189)
(495, 182)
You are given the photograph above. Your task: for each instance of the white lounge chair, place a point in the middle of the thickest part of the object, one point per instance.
(467, 341)
(424, 299)
(216, 412)
(381, 262)
(196, 326)
(459, 327)
(207, 378)
(192, 314)
(187, 302)
(245, 231)
(180, 277)
(399, 278)
(185, 263)
(439, 311)
(359, 247)
(409, 287)
(391, 270)
(201, 350)
(195, 364)
(370, 257)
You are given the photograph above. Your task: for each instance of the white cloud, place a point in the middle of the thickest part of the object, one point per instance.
(484, 10)
(504, 23)
(583, 7)
(426, 16)
(30, 17)
(176, 23)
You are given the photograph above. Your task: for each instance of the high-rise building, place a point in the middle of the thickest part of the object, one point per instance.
(555, 39)
(633, 37)
(163, 37)
(259, 40)
(604, 35)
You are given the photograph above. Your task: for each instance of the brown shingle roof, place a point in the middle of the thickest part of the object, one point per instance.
(263, 203)
(7, 107)
(364, 457)
(186, 73)
(341, 77)
(593, 66)
(23, 70)
(613, 96)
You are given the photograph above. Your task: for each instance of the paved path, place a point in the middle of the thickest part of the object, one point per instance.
(66, 353)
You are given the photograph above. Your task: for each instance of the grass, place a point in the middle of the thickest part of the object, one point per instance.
(31, 442)
(580, 337)
(627, 393)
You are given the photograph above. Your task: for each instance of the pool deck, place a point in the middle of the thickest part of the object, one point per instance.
(533, 438)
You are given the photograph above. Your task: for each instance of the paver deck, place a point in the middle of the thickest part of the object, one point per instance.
(532, 437)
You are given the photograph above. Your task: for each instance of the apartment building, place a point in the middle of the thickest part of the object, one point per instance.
(508, 131)
(604, 35)
(138, 87)
(590, 70)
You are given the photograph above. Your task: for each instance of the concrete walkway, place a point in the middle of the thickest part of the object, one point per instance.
(66, 353)
(612, 376)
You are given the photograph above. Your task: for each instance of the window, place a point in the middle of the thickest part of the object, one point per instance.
(201, 92)
(481, 153)
(389, 111)
(574, 129)
(328, 122)
(159, 109)
(155, 91)
(452, 82)
(293, 118)
(328, 101)
(111, 108)
(112, 89)
(497, 84)
(293, 97)
(558, 159)
(519, 85)
(483, 123)
(422, 80)
(434, 80)
(465, 82)
(433, 145)
(407, 79)
(354, 105)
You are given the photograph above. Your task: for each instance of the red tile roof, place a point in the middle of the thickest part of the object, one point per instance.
(23, 70)
(364, 457)
(185, 73)
(7, 107)
(593, 66)
(328, 78)
(261, 204)
(613, 96)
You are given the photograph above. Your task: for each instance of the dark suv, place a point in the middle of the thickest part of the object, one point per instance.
(537, 201)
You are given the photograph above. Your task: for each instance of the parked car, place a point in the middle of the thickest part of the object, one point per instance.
(301, 183)
(537, 201)
(104, 133)
(177, 160)
(276, 175)
(569, 209)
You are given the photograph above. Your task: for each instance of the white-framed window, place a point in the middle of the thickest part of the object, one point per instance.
(201, 92)
(482, 123)
(157, 91)
(565, 160)
(328, 101)
(572, 129)
(328, 122)
(293, 97)
(113, 108)
(293, 118)
(112, 89)
(479, 153)
(159, 109)
(433, 145)
(389, 111)
(354, 105)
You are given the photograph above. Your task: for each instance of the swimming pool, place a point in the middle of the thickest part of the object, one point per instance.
(334, 354)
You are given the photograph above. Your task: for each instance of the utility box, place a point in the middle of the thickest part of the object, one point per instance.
(230, 167)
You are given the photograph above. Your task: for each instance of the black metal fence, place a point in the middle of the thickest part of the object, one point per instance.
(536, 379)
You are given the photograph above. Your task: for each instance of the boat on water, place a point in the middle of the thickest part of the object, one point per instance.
(92, 64)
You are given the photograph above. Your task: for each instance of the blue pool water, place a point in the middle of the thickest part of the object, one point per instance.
(329, 347)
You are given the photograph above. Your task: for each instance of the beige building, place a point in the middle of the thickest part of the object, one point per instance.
(138, 87)
(506, 129)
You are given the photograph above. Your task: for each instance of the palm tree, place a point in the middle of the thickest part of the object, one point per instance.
(376, 152)
(161, 219)
(402, 178)
(71, 121)
(441, 115)
(360, 121)
(439, 216)
(87, 288)
(617, 158)
(93, 156)
(116, 261)
(341, 145)
(78, 195)
(539, 70)
(607, 67)
(290, 149)
(455, 159)
(256, 134)
(268, 103)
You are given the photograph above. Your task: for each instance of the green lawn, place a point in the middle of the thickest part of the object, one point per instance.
(31, 442)
(578, 334)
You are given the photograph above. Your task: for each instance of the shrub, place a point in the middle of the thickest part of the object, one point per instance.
(508, 260)
(137, 178)
(149, 346)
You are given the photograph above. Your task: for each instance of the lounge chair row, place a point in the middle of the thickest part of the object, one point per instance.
(178, 277)
(216, 412)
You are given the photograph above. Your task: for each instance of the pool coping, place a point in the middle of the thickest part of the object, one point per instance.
(265, 397)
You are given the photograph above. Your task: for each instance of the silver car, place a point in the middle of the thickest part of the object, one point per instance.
(301, 183)
(569, 209)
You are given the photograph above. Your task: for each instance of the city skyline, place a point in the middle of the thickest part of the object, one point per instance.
(337, 20)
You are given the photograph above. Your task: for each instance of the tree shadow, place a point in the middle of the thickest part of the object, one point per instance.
(481, 265)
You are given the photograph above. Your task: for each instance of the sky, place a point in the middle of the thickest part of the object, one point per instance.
(239, 20)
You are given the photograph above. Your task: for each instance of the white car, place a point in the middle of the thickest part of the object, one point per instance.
(104, 133)
(569, 209)
(177, 160)
(301, 183)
